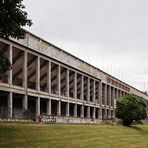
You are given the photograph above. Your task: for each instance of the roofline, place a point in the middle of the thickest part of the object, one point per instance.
(82, 61)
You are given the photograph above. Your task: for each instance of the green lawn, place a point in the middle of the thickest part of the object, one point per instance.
(73, 136)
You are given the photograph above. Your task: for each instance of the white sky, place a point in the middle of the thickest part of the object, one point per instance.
(109, 34)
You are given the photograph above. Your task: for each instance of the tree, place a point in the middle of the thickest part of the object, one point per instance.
(130, 108)
(12, 19)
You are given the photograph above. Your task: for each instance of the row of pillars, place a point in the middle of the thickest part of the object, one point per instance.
(105, 96)
(25, 106)
(109, 94)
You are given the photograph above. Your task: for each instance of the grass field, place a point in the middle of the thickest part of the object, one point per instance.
(72, 136)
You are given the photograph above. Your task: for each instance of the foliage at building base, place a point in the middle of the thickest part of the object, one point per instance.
(130, 108)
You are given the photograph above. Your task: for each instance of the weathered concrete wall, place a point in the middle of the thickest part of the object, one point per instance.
(77, 120)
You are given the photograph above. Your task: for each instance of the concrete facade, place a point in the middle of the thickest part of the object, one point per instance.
(47, 80)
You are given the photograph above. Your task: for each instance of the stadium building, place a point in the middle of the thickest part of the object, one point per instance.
(47, 80)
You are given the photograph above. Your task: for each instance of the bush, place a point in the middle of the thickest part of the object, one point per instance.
(130, 108)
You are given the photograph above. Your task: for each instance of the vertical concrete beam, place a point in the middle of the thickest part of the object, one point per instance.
(88, 89)
(37, 106)
(49, 107)
(110, 96)
(114, 97)
(94, 91)
(38, 73)
(49, 77)
(10, 105)
(75, 110)
(94, 113)
(82, 87)
(59, 80)
(67, 109)
(10, 71)
(75, 85)
(82, 111)
(100, 113)
(105, 97)
(25, 102)
(59, 108)
(100, 93)
(88, 112)
(67, 83)
(25, 70)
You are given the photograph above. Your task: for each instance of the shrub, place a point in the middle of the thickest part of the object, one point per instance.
(130, 108)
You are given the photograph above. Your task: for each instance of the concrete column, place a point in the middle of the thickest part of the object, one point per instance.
(82, 87)
(82, 111)
(59, 80)
(67, 83)
(100, 113)
(75, 110)
(10, 72)
(37, 106)
(100, 93)
(75, 85)
(113, 101)
(94, 91)
(114, 97)
(25, 102)
(25, 70)
(67, 109)
(59, 108)
(49, 77)
(49, 107)
(10, 105)
(110, 96)
(88, 89)
(94, 113)
(88, 112)
(38, 73)
(105, 96)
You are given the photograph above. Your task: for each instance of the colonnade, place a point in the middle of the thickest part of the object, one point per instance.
(42, 77)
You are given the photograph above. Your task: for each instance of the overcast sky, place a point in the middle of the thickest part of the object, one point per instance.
(110, 34)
